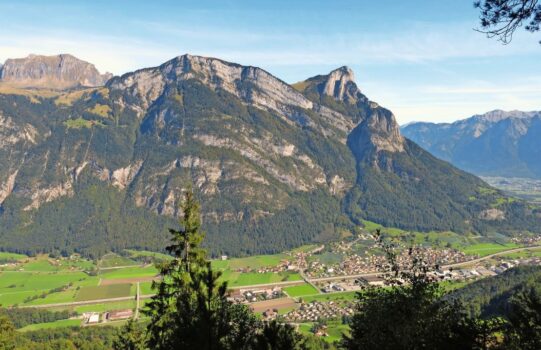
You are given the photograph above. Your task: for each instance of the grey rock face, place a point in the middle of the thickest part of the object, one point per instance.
(337, 83)
(55, 72)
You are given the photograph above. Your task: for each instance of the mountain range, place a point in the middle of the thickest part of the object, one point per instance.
(497, 143)
(92, 169)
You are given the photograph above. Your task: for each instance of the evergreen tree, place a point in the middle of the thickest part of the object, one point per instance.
(190, 309)
(276, 336)
(130, 337)
(524, 328)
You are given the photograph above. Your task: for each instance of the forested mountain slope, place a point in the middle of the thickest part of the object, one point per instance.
(490, 296)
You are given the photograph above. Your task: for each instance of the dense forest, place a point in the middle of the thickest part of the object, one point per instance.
(490, 297)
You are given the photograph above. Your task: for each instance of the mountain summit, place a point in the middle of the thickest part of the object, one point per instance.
(54, 72)
(274, 165)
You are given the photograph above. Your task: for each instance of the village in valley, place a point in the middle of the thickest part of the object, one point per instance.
(313, 287)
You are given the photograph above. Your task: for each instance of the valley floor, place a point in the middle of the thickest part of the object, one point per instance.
(302, 286)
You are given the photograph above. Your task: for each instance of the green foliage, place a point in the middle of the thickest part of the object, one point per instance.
(7, 334)
(130, 337)
(524, 327)
(22, 317)
(190, 308)
(302, 290)
(489, 297)
(80, 123)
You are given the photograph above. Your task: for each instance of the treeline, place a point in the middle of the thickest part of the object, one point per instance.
(69, 338)
(21, 317)
(490, 297)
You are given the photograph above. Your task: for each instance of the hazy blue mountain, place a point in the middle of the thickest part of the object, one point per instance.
(274, 165)
(496, 143)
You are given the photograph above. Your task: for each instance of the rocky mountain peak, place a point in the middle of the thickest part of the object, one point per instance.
(340, 84)
(60, 72)
(250, 84)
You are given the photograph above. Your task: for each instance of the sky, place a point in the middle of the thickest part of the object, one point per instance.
(421, 59)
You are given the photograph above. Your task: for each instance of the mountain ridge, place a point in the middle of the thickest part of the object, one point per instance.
(496, 143)
(275, 166)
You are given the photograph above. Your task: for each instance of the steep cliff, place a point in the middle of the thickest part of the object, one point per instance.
(52, 72)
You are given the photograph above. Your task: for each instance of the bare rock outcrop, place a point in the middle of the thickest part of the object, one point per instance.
(53, 72)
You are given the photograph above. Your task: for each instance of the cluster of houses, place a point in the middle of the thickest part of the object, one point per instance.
(333, 287)
(527, 239)
(91, 318)
(356, 264)
(253, 295)
(317, 311)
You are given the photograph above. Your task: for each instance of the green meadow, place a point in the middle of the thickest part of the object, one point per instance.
(300, 290)
(11, 256)
(115, 260)
(253, 262)
(484, 249)
(237, 279)
(55, 324)
(129, 272)
(340, 296)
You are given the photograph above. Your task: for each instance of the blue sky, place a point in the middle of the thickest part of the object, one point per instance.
(421, 59)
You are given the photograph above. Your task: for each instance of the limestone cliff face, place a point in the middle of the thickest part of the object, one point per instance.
(376, 127)
(53, 72)
(253, 86)
(340, 84)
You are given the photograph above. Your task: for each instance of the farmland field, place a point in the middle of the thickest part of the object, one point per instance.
(298, 291)
(340, 296)
(524, 254)
(484, 249)
(40, 287)
(55, 324)
(236, 279)
(104, 292)
(253, 262)
(145, 288)
(102, 307)
(137, 254)
(113, 260)
(129, 272)
(11, 256)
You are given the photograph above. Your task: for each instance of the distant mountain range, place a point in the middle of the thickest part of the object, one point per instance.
(496, 143)
(275, 165)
